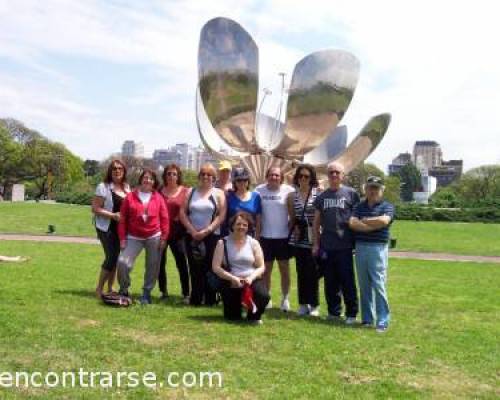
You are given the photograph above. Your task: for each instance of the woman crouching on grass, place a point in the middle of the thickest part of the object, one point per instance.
(243, 268)
(143, 224)
(106, 205)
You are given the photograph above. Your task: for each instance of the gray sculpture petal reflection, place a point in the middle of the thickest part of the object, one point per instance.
(258, 164)
(332, 146)
(364, 144)
(322, 87)
(269, 132)
(228, 81)
(208, 135)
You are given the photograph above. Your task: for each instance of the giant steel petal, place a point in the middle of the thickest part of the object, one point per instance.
(269, 131)
(364, 144)
(322, 87)
(208, 135)
(329, 148)
(228, 81)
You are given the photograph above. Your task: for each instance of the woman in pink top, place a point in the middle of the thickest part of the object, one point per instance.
(143, 225)
(174, 194)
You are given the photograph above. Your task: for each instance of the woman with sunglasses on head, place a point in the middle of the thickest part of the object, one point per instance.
(242, 199)
(301, 216)
(144, 224)
(174, 194)
(106, 205)
(202, 213)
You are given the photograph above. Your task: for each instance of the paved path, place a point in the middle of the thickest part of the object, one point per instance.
(395, 254)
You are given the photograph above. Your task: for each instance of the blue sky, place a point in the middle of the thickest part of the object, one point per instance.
(92, 74)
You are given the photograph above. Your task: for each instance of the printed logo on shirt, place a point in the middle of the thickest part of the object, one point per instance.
(271, 197)
(334, 203)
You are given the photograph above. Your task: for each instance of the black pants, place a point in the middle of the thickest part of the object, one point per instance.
(307, 276)
(339, 281)
(111, 245)
(178, 250)
(231, 298)
(201, 293)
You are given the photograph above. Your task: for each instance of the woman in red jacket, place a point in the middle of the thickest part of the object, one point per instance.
(143, 224)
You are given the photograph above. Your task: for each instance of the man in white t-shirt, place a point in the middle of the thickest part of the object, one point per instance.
(273, 234)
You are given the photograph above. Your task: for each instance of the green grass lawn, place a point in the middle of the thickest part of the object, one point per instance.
(457, 238)
(443, 341)
(448, 237)
(34, 218)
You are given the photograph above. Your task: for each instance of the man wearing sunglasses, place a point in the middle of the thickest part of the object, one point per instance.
(333, 242)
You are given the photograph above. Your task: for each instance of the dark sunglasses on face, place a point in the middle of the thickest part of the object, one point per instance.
(117, 169)
(306, 176)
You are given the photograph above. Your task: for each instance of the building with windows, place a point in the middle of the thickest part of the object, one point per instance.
(132, 149)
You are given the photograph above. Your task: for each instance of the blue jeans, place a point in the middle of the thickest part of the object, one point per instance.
(372, 260)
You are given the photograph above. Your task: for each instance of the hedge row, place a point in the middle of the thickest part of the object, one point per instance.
(83, 198)
(420, 213)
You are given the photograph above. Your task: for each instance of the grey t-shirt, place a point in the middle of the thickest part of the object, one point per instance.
(336, 208)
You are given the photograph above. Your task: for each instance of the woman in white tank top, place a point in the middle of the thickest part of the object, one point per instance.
(202, 214)
(238, 259)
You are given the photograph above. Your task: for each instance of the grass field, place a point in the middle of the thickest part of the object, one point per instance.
(34, 218)
(458, 238)
(443, 341)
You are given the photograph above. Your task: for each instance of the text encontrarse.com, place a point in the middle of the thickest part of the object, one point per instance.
(107, 379)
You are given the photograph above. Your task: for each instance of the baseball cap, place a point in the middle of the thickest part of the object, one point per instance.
(224, 164)
(376, 181)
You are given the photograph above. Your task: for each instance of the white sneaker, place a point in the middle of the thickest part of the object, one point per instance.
(350, 320)
(303, 310)
(269, 305)
(285, 305)
(314, 311)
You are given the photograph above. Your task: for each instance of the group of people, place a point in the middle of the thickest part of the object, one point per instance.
(223, 230)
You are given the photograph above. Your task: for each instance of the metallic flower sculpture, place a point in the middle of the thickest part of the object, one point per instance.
(321, 90)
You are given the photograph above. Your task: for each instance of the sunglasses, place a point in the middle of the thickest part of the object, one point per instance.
(241, 180)
(117, 169)
(306, 176)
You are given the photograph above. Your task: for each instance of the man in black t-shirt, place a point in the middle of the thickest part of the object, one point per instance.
(335, 244)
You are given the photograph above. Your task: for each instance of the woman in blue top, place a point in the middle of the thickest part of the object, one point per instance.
(242, 199)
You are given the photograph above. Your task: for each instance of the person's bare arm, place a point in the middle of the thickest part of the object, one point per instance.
(316, 226)
(377, 222)
(259, 263)
(217, 265)
(291, 210)
(184, 218)
(98, 209)
(356, 225)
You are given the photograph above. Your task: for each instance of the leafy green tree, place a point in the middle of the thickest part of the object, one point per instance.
(10, 158)
(480, 185)
(446, 197)
(357, 177)
(411, 181)
(392, 191)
